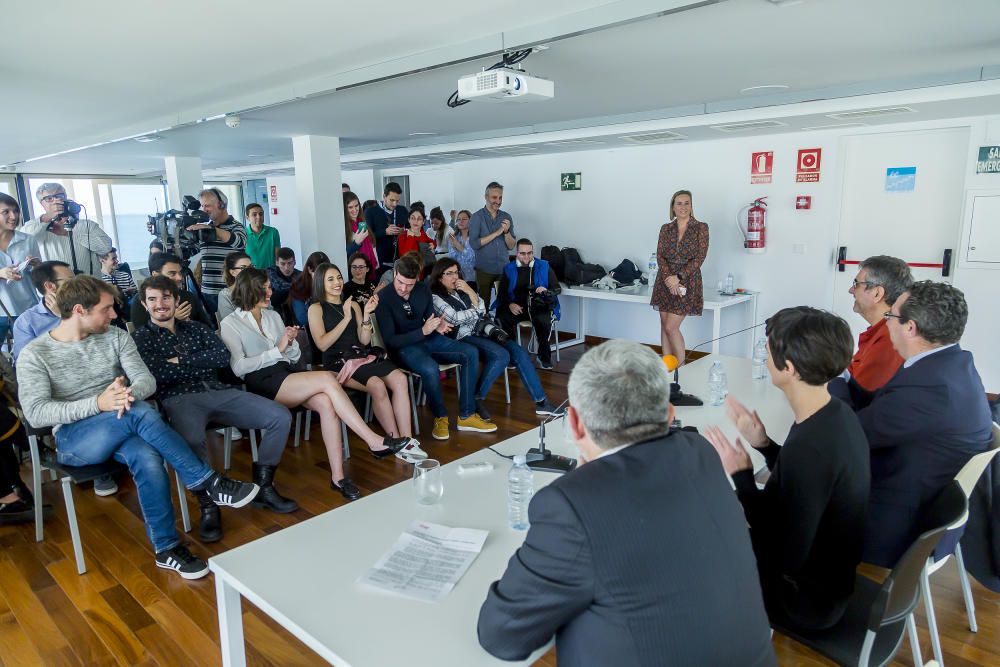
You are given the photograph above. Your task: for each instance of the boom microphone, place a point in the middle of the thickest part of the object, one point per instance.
(677, 397)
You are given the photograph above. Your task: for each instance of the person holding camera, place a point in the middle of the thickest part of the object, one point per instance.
(458, 304)
(527, 293)
(55, 228)
(227, 235)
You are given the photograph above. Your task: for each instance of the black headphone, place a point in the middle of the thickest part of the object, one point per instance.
(223, 200)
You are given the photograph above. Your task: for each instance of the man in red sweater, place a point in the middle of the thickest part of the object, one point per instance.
(880, 281)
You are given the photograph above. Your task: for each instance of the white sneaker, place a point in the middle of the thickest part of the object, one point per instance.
(105, 485)
(237, 434)
(411, 453)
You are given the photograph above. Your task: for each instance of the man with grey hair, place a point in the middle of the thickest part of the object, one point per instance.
(880, 281)
(53, 233)
(227, 235)
(639, 556)
(491, 233)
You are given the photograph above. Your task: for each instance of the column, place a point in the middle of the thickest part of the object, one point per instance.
(183, 178)
(320, 204)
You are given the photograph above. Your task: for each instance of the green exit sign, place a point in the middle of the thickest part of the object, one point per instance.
(571, 182)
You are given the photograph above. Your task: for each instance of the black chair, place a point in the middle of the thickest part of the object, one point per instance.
(871, 631)
(44, 458)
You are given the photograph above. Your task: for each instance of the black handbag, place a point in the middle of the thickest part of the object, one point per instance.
(336, 359)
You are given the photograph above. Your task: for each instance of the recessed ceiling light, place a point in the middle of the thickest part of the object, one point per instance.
(763, 90)
(422, 134)
(148, 138)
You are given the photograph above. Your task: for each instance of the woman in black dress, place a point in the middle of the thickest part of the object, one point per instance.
(360, 287)
(339, 326)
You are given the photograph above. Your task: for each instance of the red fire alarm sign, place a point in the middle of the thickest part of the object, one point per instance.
(274, 211)
(761, 167)
(807, 166)
(803, 202)
(274, 193)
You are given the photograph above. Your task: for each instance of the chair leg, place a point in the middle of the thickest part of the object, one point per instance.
(413, 404)
(253, 444)
(227, 448)
(182, 499)
(555, 335)
(309, 419)
(911, 629)
(74, 526)
(298, 427)
(963, 577)
(346, 454)
(506, 384)
(36, 484)
(368, 408)
(932, 629)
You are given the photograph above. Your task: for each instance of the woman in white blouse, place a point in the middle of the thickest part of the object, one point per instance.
(262, 352)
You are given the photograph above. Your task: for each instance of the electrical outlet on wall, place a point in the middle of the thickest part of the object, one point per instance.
(798, 248)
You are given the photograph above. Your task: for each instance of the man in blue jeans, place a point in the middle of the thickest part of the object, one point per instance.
(84, 379)
(413, 334)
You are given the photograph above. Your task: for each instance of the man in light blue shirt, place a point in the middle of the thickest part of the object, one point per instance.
(43, 316)
(491, 233)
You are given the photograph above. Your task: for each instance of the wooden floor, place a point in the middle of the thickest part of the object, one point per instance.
(126, 611)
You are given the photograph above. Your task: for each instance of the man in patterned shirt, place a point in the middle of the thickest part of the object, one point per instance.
(183, 356)
(229, 235)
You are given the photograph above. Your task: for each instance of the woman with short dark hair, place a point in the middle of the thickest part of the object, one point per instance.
(262, 352)
(360, 286)
(18, 254)
(807, 525)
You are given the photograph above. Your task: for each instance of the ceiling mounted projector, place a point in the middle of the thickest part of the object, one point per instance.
(505, 84)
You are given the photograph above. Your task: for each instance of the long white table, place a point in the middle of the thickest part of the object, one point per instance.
(306, 577)
(640, 294)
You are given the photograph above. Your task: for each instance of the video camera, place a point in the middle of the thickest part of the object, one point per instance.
(171, 228)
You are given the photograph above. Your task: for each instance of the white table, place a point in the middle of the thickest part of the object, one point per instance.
(640, 294)
(306, 577)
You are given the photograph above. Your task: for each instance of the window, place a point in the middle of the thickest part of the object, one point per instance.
(133, 204)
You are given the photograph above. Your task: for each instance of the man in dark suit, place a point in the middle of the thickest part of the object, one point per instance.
(387, 221)
(640, 556)
(925, 423)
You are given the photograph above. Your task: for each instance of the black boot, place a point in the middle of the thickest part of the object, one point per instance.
(210, 526)
(263, 476)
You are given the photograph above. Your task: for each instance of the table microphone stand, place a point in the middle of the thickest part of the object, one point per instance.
(678, 398)
(540, 458)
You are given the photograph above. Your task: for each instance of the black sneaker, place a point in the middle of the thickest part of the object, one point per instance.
(545, 408)
(16, 511)
(183, 562)
(482, 411)
(227, 492)
(347, 489)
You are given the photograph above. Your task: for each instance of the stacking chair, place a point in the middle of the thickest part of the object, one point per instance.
(871, 630)
(533, 341)
(967, 478)
(46, 460)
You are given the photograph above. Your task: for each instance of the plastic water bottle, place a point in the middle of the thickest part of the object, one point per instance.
(520, 487)
(653, 267)
(730, 284)
(760, 359)
(718, 387)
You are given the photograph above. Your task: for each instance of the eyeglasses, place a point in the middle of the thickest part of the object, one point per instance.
(449, 273)
(359, 267)
(866, 283)
(889, 314)
(61, 196)
(237, 269)
(408, 309)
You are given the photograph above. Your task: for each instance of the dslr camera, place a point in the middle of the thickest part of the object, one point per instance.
(541, 301)
(70, 214)
(171, 228)
(487, 328)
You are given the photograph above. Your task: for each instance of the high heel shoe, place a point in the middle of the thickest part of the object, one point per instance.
(392, 445)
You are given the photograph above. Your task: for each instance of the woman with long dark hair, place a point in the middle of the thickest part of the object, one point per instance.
(342, 330)
(360, 287)
(18, 254)
(302, 287)
(439, 232)
(359, 238)
(262, 352)
(235, 262)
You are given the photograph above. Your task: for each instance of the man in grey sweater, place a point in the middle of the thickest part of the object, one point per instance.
(86, 380)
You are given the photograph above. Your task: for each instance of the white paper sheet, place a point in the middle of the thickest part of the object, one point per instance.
(426, 561)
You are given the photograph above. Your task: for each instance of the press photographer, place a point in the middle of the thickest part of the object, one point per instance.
(527, 293)
(459, 305)
(63, 235)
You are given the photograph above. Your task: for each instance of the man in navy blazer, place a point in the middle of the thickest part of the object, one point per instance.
(641, 555)
(386, 221)
(925, 423)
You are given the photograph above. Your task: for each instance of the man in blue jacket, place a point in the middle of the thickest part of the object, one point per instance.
(527, 292)
(925, 423)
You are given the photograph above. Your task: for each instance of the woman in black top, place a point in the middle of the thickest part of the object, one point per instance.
(807, 524)
(340, 329)
(359, 287)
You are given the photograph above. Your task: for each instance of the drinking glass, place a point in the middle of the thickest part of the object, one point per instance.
(427, 481)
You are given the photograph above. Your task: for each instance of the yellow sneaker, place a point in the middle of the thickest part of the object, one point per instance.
(440, 431)
(476, 423)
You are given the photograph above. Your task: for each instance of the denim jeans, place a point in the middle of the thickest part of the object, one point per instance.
(142, 441)
(499, 357)
(211, 302)
(423, 359)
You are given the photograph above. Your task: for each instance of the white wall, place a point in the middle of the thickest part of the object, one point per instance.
(362, 182)
(286, 220)
(434, 187)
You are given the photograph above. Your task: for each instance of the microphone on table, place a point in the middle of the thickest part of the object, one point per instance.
(677, 397)
(540, 458)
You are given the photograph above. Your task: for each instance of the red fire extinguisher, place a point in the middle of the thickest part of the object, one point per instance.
(755, 218)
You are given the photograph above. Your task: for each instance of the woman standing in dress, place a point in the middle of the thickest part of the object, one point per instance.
(460, 248)
(678, 291)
